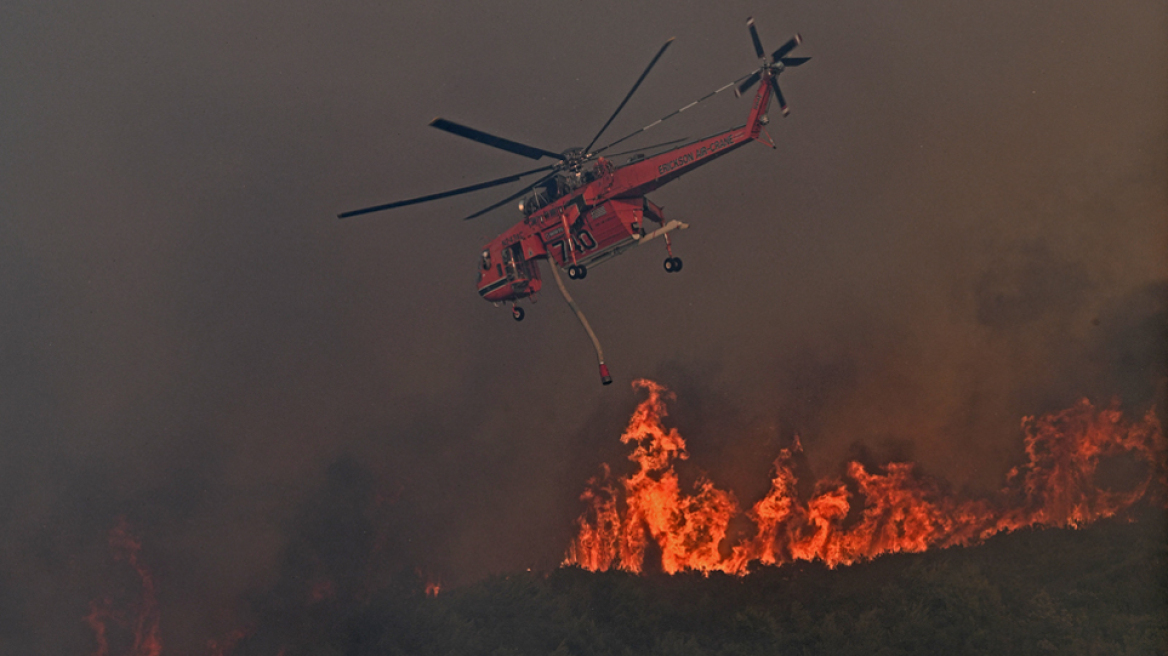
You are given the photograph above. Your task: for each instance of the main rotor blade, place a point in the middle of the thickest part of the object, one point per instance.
(642, 148)
(779, 97)
(672, 114)
(444, 194)
(749, 82)
(787, 47)
(630, 94)
(794, 61)
(492, 140)
(511, 197)
(754, 37)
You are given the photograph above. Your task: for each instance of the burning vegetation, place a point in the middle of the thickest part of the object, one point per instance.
(1066, 481)
(1075, 592)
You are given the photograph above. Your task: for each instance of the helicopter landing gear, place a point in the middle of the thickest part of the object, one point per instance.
(577, 272)
(672, 264)
(517, 312)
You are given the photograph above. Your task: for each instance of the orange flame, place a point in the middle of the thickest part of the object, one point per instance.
(144, 627)
(141, 634)
(863, 515)
(99, 612)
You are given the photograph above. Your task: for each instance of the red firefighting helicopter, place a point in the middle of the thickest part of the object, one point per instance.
(585, 209)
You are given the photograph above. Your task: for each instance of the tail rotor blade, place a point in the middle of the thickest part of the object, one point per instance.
(794, 61)
(747, 83)
(787, 47)
(779, 97)
(754, 37)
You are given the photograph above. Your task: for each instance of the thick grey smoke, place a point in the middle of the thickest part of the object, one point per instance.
(963, 223)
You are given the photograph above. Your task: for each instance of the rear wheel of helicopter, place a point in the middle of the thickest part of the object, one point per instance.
(518, 313)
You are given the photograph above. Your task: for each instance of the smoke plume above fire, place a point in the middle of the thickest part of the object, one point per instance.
(1082, 464)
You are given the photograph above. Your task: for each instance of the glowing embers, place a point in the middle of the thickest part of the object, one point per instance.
(866, 513)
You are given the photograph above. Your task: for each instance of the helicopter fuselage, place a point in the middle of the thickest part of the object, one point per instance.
(584, 210)
(602, 217)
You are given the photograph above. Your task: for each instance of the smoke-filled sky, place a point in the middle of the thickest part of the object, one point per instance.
(964, 223)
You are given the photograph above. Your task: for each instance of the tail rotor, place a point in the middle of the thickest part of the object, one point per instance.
(771, 66)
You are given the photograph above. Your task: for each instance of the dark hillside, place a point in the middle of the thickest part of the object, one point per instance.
(1099, 590)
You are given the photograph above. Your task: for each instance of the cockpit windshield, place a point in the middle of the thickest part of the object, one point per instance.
(563, 183)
